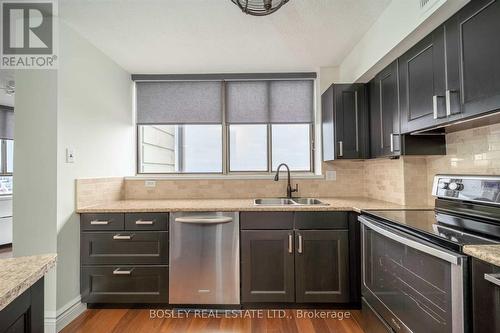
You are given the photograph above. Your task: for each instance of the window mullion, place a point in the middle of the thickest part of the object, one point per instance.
(269, 148)
(225, 133)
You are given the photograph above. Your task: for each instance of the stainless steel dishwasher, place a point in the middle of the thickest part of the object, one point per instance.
(204, 258)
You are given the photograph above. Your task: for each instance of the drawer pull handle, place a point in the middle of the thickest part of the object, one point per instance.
(118, 271)
(97, 222)
(493, 278)
(141, 222)
(122, 237)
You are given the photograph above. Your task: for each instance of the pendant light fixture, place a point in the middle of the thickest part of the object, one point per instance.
(259, 7)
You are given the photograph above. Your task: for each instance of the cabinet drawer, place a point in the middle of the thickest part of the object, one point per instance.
(124, 284)
(320, 220)
(140, 247)
(146, 221)
(266, 220)
(101, 221)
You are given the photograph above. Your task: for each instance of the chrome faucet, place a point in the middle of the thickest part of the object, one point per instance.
(289, 189)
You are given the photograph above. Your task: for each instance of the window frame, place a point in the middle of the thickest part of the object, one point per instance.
(226, 147)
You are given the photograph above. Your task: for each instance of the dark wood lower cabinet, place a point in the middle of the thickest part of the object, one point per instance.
(25, 314)
(295, 266)
(485, 297)
(267, 266)
(321, 266)
(124, 284)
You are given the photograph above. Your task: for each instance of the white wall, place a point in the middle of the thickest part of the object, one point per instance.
(399, 27)
(95, 118)
(35, 178)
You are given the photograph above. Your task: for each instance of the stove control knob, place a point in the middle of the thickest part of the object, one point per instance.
(456, 186)
(443, 186)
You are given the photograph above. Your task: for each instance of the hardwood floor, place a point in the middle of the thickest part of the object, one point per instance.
(139, 320)
(5, 251)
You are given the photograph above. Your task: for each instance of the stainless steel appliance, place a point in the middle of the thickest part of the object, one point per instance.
(414, 273)
(204, 258)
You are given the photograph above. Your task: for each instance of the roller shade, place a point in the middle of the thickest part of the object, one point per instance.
(247, 102)
(6, 123)
(273, 101)
(179, 102)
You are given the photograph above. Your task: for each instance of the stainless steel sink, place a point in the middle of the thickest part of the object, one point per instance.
(289, 202)
(309, 201)
(274, 202)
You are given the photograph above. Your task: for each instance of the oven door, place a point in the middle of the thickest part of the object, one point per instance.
(414, 285)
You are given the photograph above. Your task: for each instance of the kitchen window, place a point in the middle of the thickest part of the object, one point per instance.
(6, 166)
(224, 126)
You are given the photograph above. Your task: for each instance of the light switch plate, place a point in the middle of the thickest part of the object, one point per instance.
(150, 183)
(331, 175)
(70, 155)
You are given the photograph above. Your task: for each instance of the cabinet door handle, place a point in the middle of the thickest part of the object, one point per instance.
(356, 118)
(290, 243)
(122, 237)
(392, 142)
(435, 106)
(141, 222)
(97, 222)
(493, 278)
(118, 271)
(299, 249)
(341, 149)
(448, 101)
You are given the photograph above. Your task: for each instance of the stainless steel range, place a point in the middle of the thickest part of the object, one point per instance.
(414, 272)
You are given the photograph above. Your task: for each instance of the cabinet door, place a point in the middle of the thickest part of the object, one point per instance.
(351, 121)
(322, 269)
(384, 113)
(476, 27)
(389, 109)
(375, 119)
(422, 83)
(485, 296)
(328, 125)
(267, 266)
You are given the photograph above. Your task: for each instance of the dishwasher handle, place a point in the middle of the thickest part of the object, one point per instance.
(204, 220)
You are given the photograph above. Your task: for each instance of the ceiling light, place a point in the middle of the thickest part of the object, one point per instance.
(259, 7)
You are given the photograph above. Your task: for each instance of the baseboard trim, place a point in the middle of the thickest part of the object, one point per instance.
(63, 316)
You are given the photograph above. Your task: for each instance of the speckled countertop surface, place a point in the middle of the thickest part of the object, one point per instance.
(18, 274)
(335, 204)
(488, 253)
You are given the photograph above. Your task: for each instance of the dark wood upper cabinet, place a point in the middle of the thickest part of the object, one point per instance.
(345, 122)
(384, 113)
(472, 44)
(321, 266)
(267, 266)
(423, 84)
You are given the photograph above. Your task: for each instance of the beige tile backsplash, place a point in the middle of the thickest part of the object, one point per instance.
(407, 180)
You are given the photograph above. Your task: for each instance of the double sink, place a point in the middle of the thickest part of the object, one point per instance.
(289, 202)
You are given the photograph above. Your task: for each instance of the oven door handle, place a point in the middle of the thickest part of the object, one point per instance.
(420, 245)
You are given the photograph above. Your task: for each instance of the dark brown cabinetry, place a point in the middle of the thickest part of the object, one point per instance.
(322, 271)
(124, 258)
(425, 99)
(384, 113)
(476, 29)
(267, 266)
(345, 122)
(295, 264)
(25, 314)
(485, 296)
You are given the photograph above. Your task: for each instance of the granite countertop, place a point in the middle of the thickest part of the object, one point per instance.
(488, 253)
(19, 274)
(335, 204)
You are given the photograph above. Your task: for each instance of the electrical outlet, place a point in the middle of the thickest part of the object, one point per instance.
(331, 175)
(70, 155)
(150, 183)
